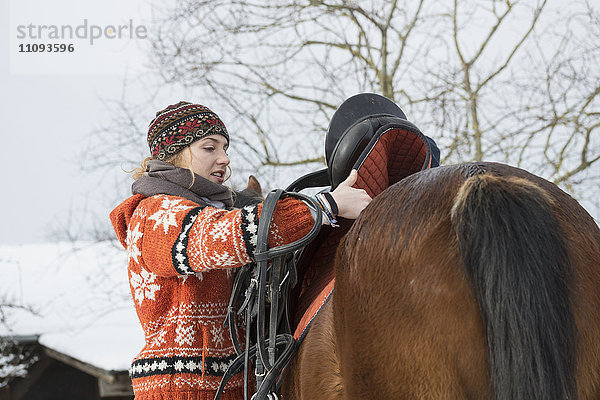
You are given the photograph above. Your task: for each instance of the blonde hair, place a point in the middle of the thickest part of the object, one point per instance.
(182, 159)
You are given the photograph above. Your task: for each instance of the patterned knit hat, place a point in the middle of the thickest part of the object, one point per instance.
(178, 125)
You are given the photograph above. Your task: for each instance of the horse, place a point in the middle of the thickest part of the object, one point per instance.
(251, 194)
(470, 281)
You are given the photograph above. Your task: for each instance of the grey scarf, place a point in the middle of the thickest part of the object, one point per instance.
(164, 178)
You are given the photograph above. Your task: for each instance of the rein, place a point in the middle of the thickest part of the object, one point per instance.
(266, 285)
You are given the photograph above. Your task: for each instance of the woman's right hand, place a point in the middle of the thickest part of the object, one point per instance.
(350, 201)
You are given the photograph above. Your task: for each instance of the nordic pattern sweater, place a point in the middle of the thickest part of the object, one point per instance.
(181, 260)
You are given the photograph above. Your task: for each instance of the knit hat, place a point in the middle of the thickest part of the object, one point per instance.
(178, 125)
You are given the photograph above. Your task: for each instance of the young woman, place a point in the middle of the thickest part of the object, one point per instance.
(184, 239)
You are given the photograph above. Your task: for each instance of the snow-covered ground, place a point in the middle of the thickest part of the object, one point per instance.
(80, 298)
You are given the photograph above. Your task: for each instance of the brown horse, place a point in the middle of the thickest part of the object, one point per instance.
(475, 281)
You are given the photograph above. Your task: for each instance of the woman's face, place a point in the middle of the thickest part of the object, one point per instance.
(209, 157)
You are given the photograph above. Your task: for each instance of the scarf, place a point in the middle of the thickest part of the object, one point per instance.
(164, 178)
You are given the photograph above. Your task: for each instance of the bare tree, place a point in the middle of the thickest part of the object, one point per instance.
(15, 357)
(524, 91)
(510, 81)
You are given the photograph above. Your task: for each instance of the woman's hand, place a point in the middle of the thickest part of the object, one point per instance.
(350, 201)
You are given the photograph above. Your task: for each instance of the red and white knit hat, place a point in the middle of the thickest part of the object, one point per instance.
(178, 125)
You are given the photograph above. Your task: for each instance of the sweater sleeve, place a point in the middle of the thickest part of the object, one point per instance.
(181, 238)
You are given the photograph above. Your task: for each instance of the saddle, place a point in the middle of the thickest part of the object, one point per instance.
(354, 131)
(369, 133)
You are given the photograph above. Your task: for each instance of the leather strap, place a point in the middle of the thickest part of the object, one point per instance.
(268, 279)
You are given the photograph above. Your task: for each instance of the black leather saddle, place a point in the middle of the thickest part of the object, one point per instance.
(354, 131)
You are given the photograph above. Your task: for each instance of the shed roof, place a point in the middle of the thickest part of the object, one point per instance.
(80, 296)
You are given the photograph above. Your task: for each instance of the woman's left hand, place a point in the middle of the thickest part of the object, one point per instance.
(350, 201)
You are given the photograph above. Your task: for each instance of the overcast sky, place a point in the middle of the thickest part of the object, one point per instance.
(50, 102)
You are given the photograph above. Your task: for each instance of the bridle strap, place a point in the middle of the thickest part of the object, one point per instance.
(264, 283)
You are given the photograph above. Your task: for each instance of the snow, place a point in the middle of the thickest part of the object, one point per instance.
(80, 299)
(9, 369)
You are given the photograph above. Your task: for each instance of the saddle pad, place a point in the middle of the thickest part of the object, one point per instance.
(319, 301)
(393, 154)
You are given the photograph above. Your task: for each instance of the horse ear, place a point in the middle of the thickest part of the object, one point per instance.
(254, 184)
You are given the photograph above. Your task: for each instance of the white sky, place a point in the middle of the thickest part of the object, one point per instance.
(46, 117)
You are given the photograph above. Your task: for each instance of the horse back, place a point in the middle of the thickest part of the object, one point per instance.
(410, 319)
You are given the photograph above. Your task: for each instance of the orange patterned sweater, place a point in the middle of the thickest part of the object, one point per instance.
(180, 274)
